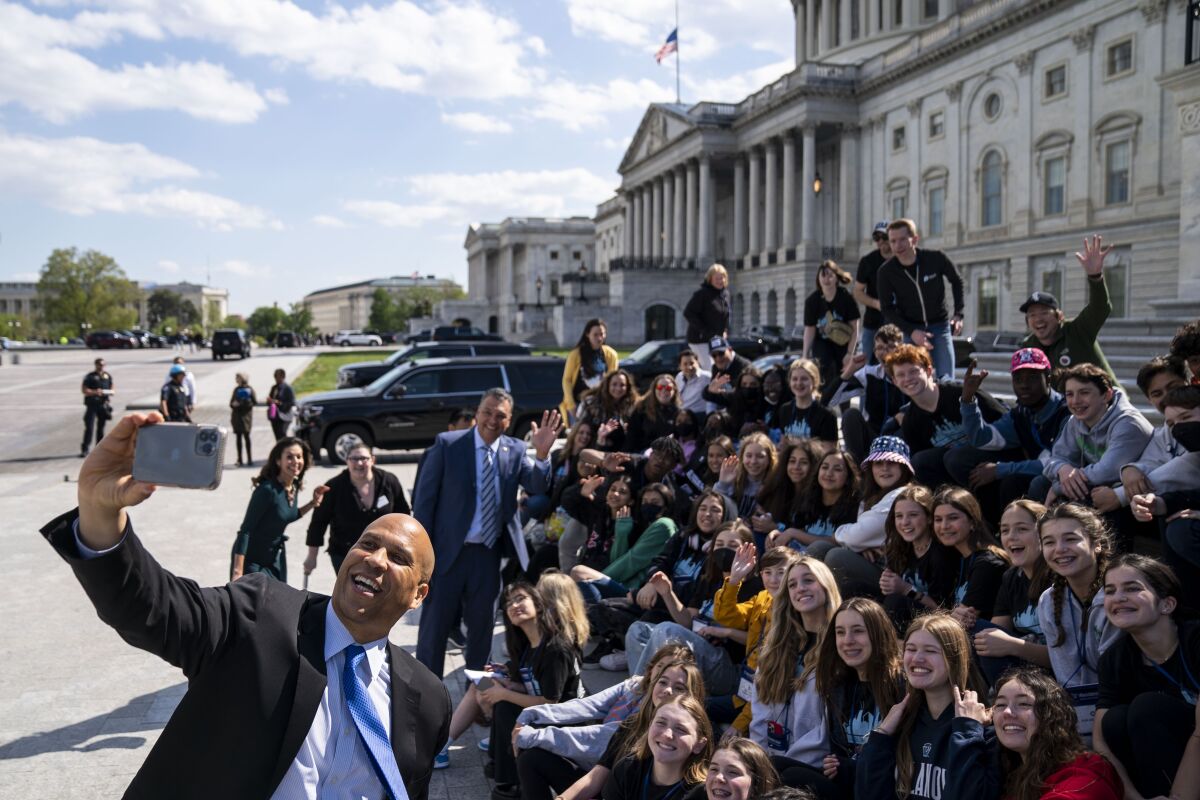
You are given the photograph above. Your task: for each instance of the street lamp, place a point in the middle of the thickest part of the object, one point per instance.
(817, 184)
(583, 271)
(538, 284)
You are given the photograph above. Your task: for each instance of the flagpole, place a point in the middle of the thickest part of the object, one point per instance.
(677, 101)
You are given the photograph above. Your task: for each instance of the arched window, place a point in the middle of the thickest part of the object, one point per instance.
(739, 311)
(772, 308)
(660, 322)
(493, 324)
(754, 309)
(789, 308)
(991, 188)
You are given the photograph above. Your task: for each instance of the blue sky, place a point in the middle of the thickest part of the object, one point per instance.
(284, 146)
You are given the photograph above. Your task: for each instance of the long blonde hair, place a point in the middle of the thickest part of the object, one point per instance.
(786, 637)
(565, 604)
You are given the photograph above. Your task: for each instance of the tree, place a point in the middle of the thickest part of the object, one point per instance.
(266, 321)
(89, 290)
(383, 312)
(234, 321)
(212, 315)
(299, 319)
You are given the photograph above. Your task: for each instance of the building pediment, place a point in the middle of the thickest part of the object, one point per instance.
(662, 123)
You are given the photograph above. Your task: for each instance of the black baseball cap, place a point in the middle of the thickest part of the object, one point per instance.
(1040, 299)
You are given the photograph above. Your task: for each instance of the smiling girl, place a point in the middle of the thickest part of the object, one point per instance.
(1146, 716)
(742, 476)
(920, 571)
(787, 714)
(738, 770)
(670, 759)
(803, 416)
(958, 523)
(1041, 753)
(786, 488)
(832, 501)
(920, 748)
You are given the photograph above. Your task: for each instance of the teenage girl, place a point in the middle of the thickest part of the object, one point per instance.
(831, 501)
(803, 416)
(670, 759)
(920, 571)
(738, 770)
(786, 488)
(742, 476)
(958, 523)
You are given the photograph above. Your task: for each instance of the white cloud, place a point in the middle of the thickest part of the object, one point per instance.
(43, 72)
(244, 269)
(83, 176)
(735, 88)
(396, 215)
(276, 96)
(166, 265)
(474, 122)
(621, 144)
(580, 106)
(329, 221)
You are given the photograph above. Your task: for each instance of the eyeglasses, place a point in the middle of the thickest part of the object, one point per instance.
(517, 599)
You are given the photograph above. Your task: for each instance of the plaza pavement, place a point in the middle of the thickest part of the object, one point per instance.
(79, 708)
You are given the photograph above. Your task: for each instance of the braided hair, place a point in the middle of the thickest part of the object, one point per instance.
(1094, 528)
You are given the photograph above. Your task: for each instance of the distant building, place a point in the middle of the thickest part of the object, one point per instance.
(18, 298)
(348, 307)
(211, 302)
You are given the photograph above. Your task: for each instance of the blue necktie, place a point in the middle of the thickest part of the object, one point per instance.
(370, 728)
(489, 508)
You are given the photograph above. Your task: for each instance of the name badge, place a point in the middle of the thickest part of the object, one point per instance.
(381, 501)
(746, 685)
(700, 622)
(1084, 698)
(779, 738)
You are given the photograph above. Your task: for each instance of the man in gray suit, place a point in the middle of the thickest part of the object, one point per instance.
(466, 498)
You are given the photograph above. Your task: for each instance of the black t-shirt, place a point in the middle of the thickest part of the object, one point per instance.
(868, 275)
(814, 422)
(979, 582)
(935, 573)
(550, 670)
(1013, 601)
(1125, 673)
(819, 313)
(943, 426)
(94, 380)
(631, 780)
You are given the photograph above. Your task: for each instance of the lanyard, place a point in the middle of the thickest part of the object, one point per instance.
(1191, 678)
(646, 786)
(963, 566)
(1080, 643)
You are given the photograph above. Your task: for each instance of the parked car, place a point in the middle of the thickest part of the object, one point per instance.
(230, 342)
(357, 338)
(409, 406)
(149, 339)
(110, 340)
(459, 333)
(360, 373)
(423, 335)
(662, 355)
(287, 339)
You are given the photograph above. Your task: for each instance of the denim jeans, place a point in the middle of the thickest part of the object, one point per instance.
(719, 671)
(943, 350)
(868, 344)
(599, 589)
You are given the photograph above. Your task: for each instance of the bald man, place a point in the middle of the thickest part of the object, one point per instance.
(290, 694)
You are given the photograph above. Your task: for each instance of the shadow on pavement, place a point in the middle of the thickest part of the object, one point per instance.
(148, 712)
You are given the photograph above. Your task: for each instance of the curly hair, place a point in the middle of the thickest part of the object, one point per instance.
(908, 354)
(1055, 742)
(883, 666)
(786, 637)
(757, 764)
(1186, 342)
(899, 554)
(270, 467)
(601, 401)
(778, 495)
(1096, 531)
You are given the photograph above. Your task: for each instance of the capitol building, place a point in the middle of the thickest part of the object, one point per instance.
(1008, 129)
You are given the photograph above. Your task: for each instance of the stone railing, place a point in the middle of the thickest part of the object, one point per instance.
(811, 74)
(642, 263)
(947, 29)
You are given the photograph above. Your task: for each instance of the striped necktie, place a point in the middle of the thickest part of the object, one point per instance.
(489, 507)
(370, 728)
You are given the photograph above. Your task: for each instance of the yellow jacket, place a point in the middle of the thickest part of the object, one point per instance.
(752, 616)
(571, 372)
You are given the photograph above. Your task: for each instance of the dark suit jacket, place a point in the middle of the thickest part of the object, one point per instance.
(444, 495)
(253, 653)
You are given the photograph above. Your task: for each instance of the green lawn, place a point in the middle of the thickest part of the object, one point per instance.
(321, 373)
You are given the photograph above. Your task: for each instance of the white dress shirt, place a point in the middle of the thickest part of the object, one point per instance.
(474, 535)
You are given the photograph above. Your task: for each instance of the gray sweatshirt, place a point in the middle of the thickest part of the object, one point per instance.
(804, 716)
(1119, 438)
(580, 743)
(1069, 668)
(1161, 451)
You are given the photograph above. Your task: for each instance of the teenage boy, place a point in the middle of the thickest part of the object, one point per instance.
(1068, 342)
(1186, 347)
(1104, 433)
(879, 399)
(933, 423)
(1025, 434)
(691, 381)
(727, 367)
(1156, 379)
(866, 287)
(912, 292)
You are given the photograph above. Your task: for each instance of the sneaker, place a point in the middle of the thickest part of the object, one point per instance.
(615, 662)
(592, 659)
(442, 759)
(506, 791)
(485, 743)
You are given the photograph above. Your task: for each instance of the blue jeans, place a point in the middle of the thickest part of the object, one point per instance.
(595, 591)
(943, 350)
(719, 671)
(868, 344)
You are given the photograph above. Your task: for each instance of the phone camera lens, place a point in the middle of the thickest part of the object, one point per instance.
(207, 449)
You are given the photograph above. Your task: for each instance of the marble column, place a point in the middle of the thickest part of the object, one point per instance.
(628, 232)
(739, 207)
(801, 31)
(635, 202)
(704, 233)
(823, 28)
(668, 215)
(755, 243)
(945, 9)
(679, 235)
(844, 21)
(656, 218)
(771, 183)
(887, 22)
(647, 221)
(848, 186)
(692, 210)
(808, 172)
(1184, 85)
(810, 27)
(789, 190)
(872, 17)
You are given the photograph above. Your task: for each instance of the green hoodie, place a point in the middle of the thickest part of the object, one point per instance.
(1076, 342)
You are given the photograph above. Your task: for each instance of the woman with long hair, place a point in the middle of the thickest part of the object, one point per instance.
(742, 476)
(787, 713)
(609, 406)
(565, 607)
(859, 675)
(274, 504)
(802, 415)
(1146, 715)
(958, 523)
(855, 553)
(630, 556)
(716, 450)
(562, 743)
(587, 363)
(654, 415)
(602, 523)
(831, 323)
(738, 770)
(920, 571)
(669, 759)
(1015, 635)
(783, 493)
(746, 404)
(1042, 756)
(919, 750)
(831, 501)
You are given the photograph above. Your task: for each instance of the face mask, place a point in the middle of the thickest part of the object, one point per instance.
(724, 559)
(751, 393)
(1188, 435)
(649, 512)
(686, 430)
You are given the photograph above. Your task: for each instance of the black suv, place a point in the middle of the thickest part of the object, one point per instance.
(662, 355)
(360, 373)
(230, 342)
(409, 406)
(463, 333)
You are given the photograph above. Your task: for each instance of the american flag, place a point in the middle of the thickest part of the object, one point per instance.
(669, 46)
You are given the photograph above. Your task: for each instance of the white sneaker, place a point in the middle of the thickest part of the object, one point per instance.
(615, 661)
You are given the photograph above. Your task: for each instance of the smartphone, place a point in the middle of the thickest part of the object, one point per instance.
(180, 454)
(484, 684)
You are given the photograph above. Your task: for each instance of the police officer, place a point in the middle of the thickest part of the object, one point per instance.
(174, 401)
(97, 388)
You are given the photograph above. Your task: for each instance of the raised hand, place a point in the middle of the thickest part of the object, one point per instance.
(966, 704)
(106, 484)
(972, 381)
(613, 462)
(589, 486)
(729, 468)
(852, 364)
(542, 436)
(1092, 257)
(892, 721)
(745, 559)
